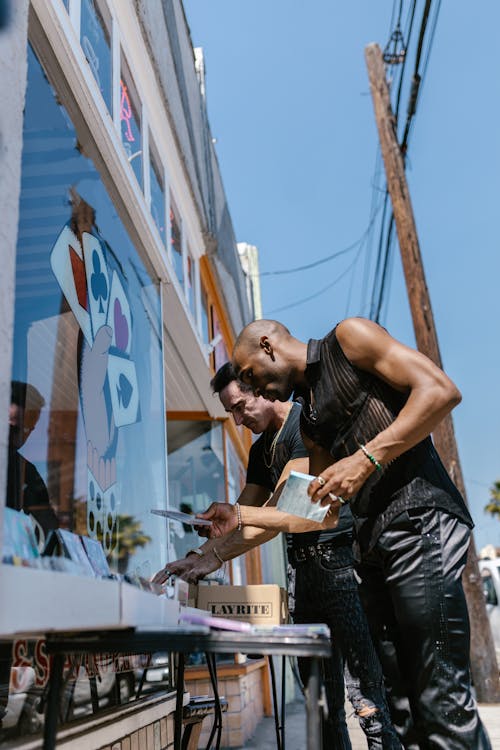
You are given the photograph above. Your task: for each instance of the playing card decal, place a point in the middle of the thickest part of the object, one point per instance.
(109, 393)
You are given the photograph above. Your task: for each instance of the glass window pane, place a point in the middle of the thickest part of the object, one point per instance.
(157, 192)
(176, 241)
(195, 475)
(130, 120)
(89, 451)
(191, 285)
(96, 44)
(205, 319)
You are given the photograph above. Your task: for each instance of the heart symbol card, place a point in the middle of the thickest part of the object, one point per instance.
(119, 317)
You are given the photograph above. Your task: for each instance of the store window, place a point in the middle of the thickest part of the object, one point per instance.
(206, 332)
(95, 38)
(176, 241)
(130, 121)
(235, 482)
(87, 425)
(157, 183)
(87, 439)
(195, 475)
(220, 351)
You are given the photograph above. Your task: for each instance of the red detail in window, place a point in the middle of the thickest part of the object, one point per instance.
(126, 112)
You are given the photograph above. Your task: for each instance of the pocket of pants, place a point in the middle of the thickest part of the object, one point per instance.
(341, 578)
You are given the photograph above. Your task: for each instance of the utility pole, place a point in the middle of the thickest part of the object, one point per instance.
(483, 659)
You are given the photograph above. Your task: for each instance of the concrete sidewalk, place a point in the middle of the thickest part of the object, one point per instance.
(295, 732)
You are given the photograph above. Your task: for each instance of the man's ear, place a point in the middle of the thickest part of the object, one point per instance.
(266, 345)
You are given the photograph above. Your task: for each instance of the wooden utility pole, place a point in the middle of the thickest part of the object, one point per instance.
(483, 660)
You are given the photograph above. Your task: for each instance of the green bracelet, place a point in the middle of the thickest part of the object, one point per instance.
(371, 458)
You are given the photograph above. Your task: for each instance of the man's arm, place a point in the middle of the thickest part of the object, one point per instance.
(192, 564)
(431, 396)
(225, 517)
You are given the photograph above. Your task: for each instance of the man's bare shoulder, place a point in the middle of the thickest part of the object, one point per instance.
(361, 339)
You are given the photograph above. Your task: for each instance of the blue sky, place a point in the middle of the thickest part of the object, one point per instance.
(289, 105)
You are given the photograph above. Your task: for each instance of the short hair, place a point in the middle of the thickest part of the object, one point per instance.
(26, 396)
(252, 333)
(224, 376)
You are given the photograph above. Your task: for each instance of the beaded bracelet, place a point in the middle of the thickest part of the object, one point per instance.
(238, 513)
(219, 558)
(371, 458)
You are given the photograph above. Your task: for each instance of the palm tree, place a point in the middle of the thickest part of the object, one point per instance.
(493, 506)
(129, 537)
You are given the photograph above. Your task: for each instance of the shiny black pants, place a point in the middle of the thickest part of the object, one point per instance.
(326, 591)
(412, 593)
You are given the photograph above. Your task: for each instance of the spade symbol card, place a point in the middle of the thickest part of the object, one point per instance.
(119, 317)
(97, 281)
(68, 265)
(124, 390)
(110, 518)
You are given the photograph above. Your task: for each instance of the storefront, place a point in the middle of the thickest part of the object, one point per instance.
(119, 318)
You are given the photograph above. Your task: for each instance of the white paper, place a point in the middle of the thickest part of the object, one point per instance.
(295, 500)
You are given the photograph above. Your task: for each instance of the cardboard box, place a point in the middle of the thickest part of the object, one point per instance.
(264, 604)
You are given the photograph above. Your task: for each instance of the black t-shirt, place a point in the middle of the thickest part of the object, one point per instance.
(265, 466)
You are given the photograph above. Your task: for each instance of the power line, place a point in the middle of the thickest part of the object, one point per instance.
(320, 291)
(327, 258)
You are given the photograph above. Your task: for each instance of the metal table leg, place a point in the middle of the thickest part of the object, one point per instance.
(312, 707)
(277, 726)
(212, 670)
(178, 703)
(283, 701)
(53, 701)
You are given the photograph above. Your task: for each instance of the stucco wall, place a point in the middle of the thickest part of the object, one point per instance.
(13, 66)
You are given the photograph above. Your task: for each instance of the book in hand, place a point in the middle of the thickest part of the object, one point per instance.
(177, 515)
(295, 500)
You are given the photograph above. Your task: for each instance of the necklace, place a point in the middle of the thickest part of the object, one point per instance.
(271, 450)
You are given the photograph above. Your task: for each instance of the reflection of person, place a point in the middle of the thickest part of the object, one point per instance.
(326, 589)
(26, 489)
(370, 404)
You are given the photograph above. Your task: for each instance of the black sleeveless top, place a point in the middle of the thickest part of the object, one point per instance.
(345, 406)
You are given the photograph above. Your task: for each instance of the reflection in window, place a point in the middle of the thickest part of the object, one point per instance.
(130, 122)
(87, 340)
(176, 241)
(157, 191)
(235, 483)
(191, 284)
(96, 44)
(86, 444)
(220, 352)
(195, 475)
(205, 317)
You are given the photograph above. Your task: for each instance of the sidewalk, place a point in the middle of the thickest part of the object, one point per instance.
(295, 733)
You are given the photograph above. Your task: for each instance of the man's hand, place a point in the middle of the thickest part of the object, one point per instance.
(344, 478)
(177, 568)
(224, 519)
(203, 566)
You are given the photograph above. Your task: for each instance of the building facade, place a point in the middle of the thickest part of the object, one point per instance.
(122, 291)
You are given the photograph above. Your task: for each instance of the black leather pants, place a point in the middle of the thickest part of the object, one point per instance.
(412, 593)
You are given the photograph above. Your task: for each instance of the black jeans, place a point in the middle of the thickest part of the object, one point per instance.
(326, 591)
(412, 593)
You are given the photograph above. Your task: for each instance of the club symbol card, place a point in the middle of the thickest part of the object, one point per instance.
(68, 265)
(97, 281)
(124, 390)
(119, 317)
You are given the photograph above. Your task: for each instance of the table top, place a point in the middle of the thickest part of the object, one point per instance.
(189, 640)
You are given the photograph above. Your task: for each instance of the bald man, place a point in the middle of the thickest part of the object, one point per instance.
(369, 406)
